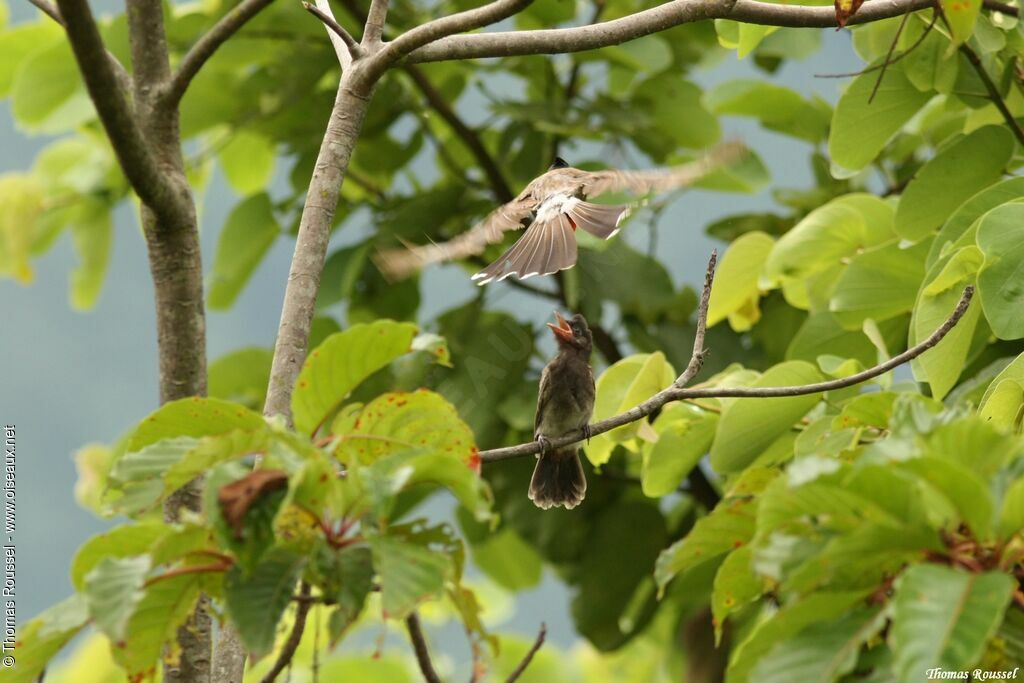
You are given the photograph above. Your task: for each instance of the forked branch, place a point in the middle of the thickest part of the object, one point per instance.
(678, 390)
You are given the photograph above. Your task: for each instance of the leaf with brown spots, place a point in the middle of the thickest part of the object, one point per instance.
(236, 498)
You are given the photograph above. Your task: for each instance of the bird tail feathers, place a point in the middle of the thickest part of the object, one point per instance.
(558, 479)
(600, 220)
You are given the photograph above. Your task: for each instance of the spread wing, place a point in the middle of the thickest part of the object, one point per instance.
(662, 180)
(402, 262)
(546, 247)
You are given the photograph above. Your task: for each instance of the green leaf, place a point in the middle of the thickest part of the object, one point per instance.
(256, 600)
(21, 205)
(974, 208)
(728, 527)
(961, 15)
(860, 129)
(951, 177)
(942, 617)
(820, 653)
(507, 559)
(248, 234)
(47, 95)
(248, 161)
(749, 425)
(392, 423)
(684, 436)
(92, 230)
(758, 99)
(194, 417)
(212, 451)
(393, 474)
(941, 365)
(409, 573)
(783, 625)
(346, 574)
(1011, 517)
(1001, 281)
(21, 42)
(967, 492)
(1003, 409)
(736, 585)
(736, 292)
(137, 475)
(336, 367)
(112, 589)
(669, 99)
(1014, 371)
(878, 284)
(622, 386)
(165, 605)
(242, 376)
(120, 542)
(43, 637)
(615, 599)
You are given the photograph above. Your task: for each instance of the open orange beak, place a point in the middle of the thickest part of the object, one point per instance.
(562, 329)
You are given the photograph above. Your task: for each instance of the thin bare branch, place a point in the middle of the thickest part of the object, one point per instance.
(699, 352)
(646, 22)
(518, 671)
(676, 392)
(496, 179)
(49, 10)
(892, 47)
(204, 48)
(993, 91)
(438, 29)
(373, 30)
(294, 638)
(110, 99)
(1001, 7)
(351, 46)
(419, 644)
(889, 60)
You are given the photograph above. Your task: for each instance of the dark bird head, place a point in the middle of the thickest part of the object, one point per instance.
(559, 162)
(572, 333)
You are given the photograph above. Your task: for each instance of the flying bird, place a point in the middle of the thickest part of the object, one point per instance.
(565, 403)
(551, 208)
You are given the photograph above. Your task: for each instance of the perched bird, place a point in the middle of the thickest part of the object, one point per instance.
(565, 403)
(551, 208)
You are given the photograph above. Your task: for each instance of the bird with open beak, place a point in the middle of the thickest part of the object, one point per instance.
(565, 403)
(552, 208)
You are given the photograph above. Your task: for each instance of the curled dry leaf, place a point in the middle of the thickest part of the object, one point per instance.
(236, 498)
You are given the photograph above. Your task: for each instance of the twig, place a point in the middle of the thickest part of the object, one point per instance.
(678, 391)
(469, 137)
(887, 62)
(993, 91)
(892, 47)
(438, 29)
(294, 638)
(49, 10)
(518, 671)
(699, 352)
(1001, 7)
(204, 48)
(419, 644)
(354, 49)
